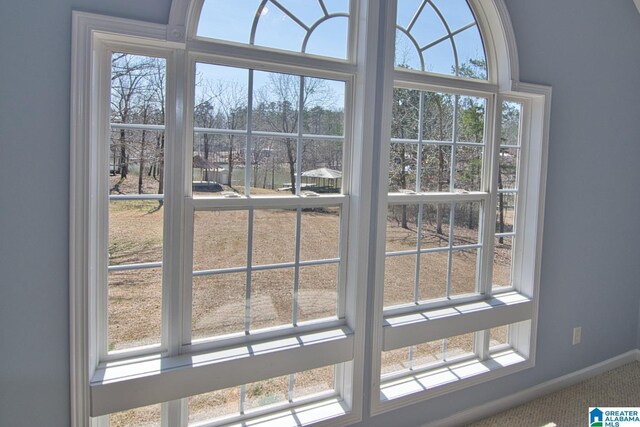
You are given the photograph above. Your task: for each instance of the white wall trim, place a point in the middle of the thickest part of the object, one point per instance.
(491, 408)
(637, 2)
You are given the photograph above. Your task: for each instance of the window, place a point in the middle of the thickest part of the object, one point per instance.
(250, 193)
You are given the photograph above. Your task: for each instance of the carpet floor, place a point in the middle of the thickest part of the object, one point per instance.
(569, 407)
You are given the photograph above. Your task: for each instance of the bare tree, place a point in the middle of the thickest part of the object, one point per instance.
(279, 105)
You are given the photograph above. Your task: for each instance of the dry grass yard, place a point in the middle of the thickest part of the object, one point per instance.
(220, 241)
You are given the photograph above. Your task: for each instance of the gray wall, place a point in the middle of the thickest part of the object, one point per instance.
(588, 50)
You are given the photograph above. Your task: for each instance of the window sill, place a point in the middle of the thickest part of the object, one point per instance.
(121, 386)
(416, 387)
(430, 325)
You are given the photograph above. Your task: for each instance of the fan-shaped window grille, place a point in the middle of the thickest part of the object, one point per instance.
(318, 27)
(439, 36)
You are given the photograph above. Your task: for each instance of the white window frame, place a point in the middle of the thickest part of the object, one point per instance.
(412, 324)
(108, 387)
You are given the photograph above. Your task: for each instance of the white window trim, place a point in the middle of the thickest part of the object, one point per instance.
(99, 388)
(367, 210)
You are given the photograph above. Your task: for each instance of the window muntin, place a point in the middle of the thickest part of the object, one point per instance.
(439, 37)
(431, 131)
(317, 27)
(289, 128)
(282, 137)
(237, 403)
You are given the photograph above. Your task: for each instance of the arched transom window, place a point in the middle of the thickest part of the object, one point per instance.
(439, 36)
(318, 27)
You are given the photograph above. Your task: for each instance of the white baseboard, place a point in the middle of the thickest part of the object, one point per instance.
(491, 408)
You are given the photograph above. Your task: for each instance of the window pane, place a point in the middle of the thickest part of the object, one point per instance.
(471, 56)
(335, 28)
(460, 345)
(137, 89)
(215, 404)
(435, 225)
(272, 298)
(402, 167)
(320, 233)
(433, 275)
(218, 305)
(221, 19)
(510, 123)
(273, 166)
(402, 226)
(463, 272)
(467, 223)
(276, 102)
(395, 360)
(220, 239)
(506, 212)
(405, 113)
(134, 308)
(456, 12)
(314, 381)
(220, 97)
(321, 166)
(406, 54)
(218, 164)
(428, 27)
(323, 112)
(399, 279)
(274, 236)
(508, 176)
(436, 168)
(440, 58)
(317, 292)
(146, 416)
(268, 392)
(502, 261)
(428, 353)
(468, 168)
(499, 336)
(471, 117)
(136, 162)
(438, 117)
(135, 231)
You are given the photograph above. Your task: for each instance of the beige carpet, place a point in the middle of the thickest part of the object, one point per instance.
(569, 407)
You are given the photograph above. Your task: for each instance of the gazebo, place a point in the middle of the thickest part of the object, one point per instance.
(323, 179)
(208, 170)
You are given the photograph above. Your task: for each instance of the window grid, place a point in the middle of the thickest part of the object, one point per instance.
(449, 36)
(263, 9)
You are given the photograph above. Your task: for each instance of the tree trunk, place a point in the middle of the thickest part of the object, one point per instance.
(123, 155)
(230, 161)
(161, 168)
(206, 155)
(141, 171)
(292, 165)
